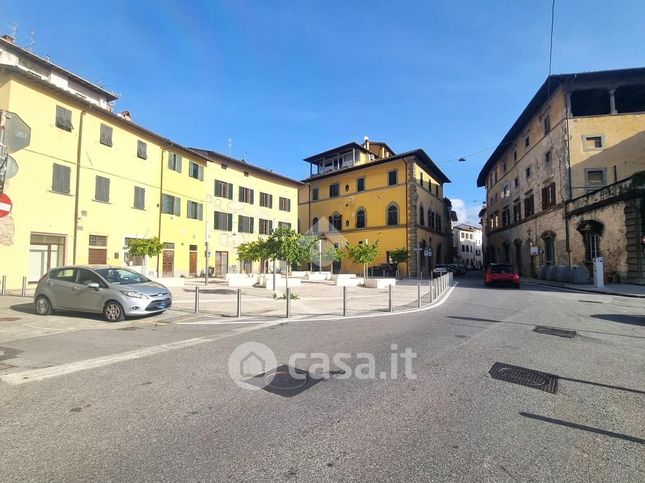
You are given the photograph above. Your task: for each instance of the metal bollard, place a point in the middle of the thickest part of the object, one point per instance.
(431, 287)
(389, 298)
(344, 301)
(418, 294)
(196, 299)
(288, 303)
(239, 303)
(4, 285)
(24, 286)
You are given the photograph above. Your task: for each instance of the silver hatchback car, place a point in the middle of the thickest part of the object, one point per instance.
(115, 292)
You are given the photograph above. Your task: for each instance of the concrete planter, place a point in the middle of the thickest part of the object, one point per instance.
(349, 282)
(379, 282)
(319, 276)
(170, 281)
(242, 282)
(280, 282)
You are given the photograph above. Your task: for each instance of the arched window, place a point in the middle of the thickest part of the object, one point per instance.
(392, 215)
(336, 221)
(422, 221)
(431, 219)
(314, 225)
(361, 218)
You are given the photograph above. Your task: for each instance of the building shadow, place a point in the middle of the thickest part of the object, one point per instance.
(622, 318)
(582, 427)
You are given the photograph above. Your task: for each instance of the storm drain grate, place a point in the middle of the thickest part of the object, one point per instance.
(540, 329)
(524, 377)
(284, 380)
(129, 328)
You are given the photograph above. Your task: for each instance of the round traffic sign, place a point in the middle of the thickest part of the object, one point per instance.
(5, 205)
(10, 169)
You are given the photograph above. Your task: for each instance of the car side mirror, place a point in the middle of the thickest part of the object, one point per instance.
(93, 285)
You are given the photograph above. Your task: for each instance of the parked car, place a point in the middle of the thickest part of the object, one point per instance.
(382, 270)
(457, 268)
(114, 292)
(440, 270)
(502, 273)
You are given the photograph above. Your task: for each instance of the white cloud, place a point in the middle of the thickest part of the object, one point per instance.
(466, 213)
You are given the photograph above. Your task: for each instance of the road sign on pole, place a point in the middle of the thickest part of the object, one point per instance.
(5, 205)
(17, 135)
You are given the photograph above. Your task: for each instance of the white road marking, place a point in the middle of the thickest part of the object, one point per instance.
(32, 375)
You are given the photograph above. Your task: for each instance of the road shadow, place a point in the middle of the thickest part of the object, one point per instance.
(27, 308)
(622, 318)
(583, 427)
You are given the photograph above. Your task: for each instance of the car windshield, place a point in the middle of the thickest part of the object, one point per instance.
(121, 276)
(502, 269)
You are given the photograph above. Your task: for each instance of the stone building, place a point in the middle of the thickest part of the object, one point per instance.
(565, 184)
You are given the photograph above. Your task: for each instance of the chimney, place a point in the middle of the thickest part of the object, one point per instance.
(126, 115)
(9, 38)
(366, 143)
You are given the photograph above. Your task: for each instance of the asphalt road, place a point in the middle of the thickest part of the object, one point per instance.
(176, 414)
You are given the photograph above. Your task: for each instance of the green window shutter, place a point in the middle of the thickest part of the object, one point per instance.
(177, 206)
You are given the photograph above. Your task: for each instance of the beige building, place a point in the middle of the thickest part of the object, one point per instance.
(565, 185)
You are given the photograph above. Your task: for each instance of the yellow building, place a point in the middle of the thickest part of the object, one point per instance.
(359, 192)
(563, 186)
(90, 179)
(247, 202)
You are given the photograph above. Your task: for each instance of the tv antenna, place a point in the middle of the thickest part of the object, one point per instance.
(32, 40)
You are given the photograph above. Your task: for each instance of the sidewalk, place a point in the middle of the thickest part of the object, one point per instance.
(618, 289)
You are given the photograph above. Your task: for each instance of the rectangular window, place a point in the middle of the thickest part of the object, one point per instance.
(98, 241)
(223, 221)
(592, 142)
(266, 227)
(547, 124)
(391, 178)
(528, 172)
(595, 178)
(285, 204)
(245, 224)
(517, 182)
(548, 196)
(139, 198)
(170, 205)
(284, 224)
(223, 189)
(196, 171)
(421, 180)
(506, 217)
(515, 155)
(106, 135)
(517, 211)
(526, 142)
(245, 195)
(174, 162)
(266, 200)
(64, 119)
(333, 190)
(194, 210)
(102, 189)
(60, 178)
(360, 184)
(505, 167)
(142, 150)
(529, 207)
(314, 194)
(547, 157)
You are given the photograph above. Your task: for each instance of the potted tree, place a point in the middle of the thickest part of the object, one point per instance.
(363, 253)
(400, 255)
(144, 247)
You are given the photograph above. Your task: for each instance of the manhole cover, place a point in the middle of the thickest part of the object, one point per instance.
(285, 381)
(129, 328)
(9, 319)
(540, 329)
(524, 377)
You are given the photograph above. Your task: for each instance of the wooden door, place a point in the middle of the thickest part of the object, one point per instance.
(168, 263)
(192, 263)
(221, 263)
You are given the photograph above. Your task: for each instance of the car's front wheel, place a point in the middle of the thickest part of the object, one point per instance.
(43, 305)
(113, 312)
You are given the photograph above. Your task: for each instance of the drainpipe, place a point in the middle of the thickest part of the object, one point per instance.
(568, 167)
(160, 206)
(407, 221)
(79, 148)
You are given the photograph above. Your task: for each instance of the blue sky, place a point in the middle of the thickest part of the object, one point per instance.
(287, 79)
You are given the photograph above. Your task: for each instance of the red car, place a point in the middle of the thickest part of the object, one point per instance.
(501, 273)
